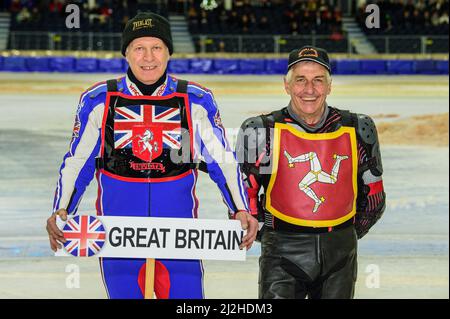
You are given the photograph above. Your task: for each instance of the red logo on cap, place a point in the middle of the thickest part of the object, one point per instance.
(308, 52)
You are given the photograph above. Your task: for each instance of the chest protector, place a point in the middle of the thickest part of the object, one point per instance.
(314, 176)
(145, 138)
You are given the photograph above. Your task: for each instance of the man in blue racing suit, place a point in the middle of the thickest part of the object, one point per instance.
(143, 136)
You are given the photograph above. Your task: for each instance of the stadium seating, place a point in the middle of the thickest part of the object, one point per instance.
(249, 27)
(404, 21)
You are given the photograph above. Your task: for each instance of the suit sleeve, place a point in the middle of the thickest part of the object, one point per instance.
(212, 146)
(371, 201)
(78, 166)
(251, 151)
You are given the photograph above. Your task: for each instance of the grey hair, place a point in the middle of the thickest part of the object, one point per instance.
(288, 76)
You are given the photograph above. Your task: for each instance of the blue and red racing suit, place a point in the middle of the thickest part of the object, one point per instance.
(126, 140)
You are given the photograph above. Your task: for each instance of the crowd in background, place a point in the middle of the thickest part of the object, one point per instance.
(408, 17)
(96, 16)
(264, 16)
(245, 17)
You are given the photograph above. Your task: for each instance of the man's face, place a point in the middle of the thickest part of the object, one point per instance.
(308, 88)
(148, 58)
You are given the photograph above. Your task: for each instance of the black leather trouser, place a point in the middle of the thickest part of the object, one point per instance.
(300, 265)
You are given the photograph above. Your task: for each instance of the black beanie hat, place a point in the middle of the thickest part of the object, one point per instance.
(147, 24)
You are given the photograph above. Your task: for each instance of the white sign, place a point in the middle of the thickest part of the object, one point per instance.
(152, 237)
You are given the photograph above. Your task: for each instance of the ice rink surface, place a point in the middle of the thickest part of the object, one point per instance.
(404, 256)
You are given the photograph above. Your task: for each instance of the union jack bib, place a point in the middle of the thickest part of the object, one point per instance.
(141, 135)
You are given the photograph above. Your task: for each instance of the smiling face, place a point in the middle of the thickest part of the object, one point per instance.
(148, 58)
(308, 84)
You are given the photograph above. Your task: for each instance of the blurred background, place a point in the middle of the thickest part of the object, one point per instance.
(389, 61)
(242, 26)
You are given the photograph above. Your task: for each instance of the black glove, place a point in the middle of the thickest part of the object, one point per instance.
(364, 221)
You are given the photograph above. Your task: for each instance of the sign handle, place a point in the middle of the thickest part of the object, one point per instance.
(149, 278)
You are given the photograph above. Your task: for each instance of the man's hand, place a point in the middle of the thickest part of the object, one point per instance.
(249, 223)
(54, 234)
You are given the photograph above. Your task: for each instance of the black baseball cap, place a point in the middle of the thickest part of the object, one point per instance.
(309, 53)
(147, 24)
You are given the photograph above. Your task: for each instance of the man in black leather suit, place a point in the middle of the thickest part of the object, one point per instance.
(314, 177)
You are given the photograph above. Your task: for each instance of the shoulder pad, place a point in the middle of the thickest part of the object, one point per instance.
(366, 129)
(368, 134)
(121, 84)
(172, 83)
(197, 89)
(96, 90)
(253, 122)
(251, 140)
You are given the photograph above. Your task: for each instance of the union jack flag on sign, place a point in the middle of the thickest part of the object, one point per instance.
(85, 236)
(166, 119)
